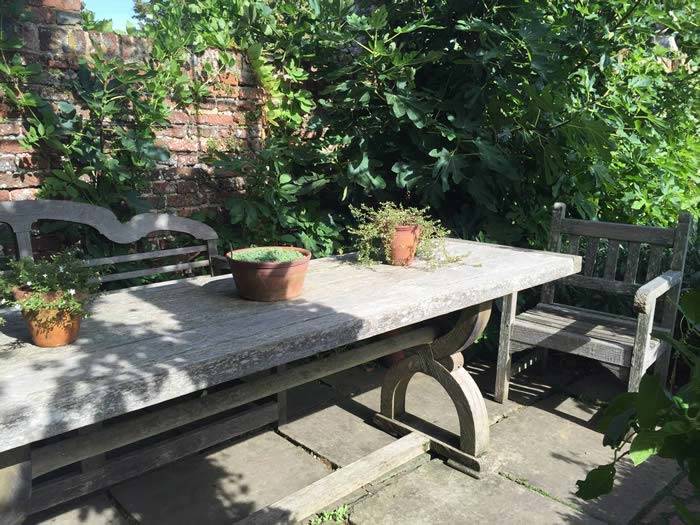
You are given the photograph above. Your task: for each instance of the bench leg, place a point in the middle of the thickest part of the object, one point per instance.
(15, 485)
(662, 363)
(503, 363)
(444, 362)
(282, 417)
(641, 347)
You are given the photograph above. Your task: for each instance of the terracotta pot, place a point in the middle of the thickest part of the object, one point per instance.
(49, 328)
(270, 281)
(404, 245)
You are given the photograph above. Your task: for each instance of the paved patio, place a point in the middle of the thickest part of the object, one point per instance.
(542, 441)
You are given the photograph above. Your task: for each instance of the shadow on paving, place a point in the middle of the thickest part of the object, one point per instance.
(134, 362)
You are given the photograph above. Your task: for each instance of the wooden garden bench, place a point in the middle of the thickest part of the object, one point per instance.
(113, 404)
(625, 345)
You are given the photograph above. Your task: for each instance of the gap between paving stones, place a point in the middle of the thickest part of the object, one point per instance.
(537, 490)
(327, 462)
(666, 491)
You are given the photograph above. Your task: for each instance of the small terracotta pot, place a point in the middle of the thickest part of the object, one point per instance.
(49, 328)
(270, 281)
(404, 245)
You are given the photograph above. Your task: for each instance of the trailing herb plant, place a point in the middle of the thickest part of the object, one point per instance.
(376, 226)
(61, 282)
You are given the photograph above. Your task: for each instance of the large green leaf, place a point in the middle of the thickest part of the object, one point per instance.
(599, 481)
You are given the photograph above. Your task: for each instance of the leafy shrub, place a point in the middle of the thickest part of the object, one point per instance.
(486, 112)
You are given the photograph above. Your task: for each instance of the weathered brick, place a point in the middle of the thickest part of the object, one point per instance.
(107, 43)
(229, 79)
(65, 5)
(218, 119)
(29, 34)
(65, 18)
(18, 180)
(179, 132)
(179, 144)
(134, 48)
(180, 117)
(41, 15)
(62, 40)
(26, 194)
(162, 187)
(11, 146)
(10, 128)
(4, 195)
(188, 186)
(180, 200)
(7, 163)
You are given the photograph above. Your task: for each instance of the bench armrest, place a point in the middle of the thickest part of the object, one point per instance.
(646, 296)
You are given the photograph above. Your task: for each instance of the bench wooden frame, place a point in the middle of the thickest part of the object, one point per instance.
(23, 215)
(624, 345)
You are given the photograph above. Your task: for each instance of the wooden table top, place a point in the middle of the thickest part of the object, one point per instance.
(145, 345)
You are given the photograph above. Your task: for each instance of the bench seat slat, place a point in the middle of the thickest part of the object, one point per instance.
(153, 271)
(132, 257)
(579, 331)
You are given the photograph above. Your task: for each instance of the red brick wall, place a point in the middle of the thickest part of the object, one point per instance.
(55, 39)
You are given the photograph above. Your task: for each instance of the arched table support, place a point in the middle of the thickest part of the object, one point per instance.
(443, 361)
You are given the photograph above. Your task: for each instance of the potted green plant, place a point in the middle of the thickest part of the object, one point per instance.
(269, 273)
(52, 295)
(394, 234)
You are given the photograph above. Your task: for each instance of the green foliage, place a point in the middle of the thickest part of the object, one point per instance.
(485, 111)
(110, 148)
(279, 205)
(91, 23)
(655, 422)
(105, 147)
(339, 515)
(376, 227)
(263, 254)
(61, 282)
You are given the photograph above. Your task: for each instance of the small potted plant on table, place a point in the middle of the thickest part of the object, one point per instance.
(270, 273)
(52, 295)
(394, 234)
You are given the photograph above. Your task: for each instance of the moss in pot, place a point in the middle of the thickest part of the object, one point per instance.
(394, 234)
(269, 273)
(52, 295)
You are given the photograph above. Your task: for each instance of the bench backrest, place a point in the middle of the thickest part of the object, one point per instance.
(23, 215)
(667, 248)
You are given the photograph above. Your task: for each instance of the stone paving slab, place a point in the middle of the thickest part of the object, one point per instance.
(437, 494)
(664, 512)
(550, 445)
(223, 485)
(336, 434)
(598, 388)
(96, 509)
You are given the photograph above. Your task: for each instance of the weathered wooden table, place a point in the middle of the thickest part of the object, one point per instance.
(147, 355)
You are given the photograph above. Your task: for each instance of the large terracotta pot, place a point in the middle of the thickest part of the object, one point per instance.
(270, 281)
(49, 328)
(404, 245)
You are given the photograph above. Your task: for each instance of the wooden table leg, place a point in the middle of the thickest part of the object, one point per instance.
(443, 361)
(15, 485)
